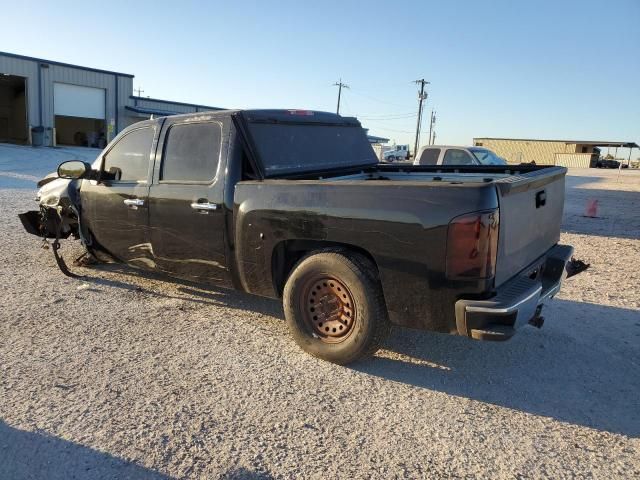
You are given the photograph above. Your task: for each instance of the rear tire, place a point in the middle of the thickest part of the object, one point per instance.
(334, 306)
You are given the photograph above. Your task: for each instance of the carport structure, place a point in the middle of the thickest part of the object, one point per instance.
(616, 145)
(567, 153)
(587, 153)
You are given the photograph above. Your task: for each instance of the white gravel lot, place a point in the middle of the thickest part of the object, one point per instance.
(127, 376)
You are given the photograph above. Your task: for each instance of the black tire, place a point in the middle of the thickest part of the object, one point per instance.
(325, 276)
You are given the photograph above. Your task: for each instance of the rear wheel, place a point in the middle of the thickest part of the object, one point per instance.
(334, 306)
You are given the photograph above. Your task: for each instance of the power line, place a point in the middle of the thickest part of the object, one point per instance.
(340, 85)
(386, 127)
(375, 99)
(422, 96)
(348, 110)
(400, 116)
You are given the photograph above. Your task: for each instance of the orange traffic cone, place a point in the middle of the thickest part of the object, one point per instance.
(592, 209)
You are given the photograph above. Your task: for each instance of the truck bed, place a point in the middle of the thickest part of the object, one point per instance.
(400, 216)
(528, 226)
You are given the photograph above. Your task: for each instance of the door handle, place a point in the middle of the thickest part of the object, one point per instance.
(204, 206)
(134, 202)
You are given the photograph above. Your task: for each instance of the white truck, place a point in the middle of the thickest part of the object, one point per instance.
(454, 155)
(397, 152)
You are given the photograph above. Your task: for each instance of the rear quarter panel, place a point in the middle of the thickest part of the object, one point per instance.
(403, 227)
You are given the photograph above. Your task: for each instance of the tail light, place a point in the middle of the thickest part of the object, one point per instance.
(472, 245)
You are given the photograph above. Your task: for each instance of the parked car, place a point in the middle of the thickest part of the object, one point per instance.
(398, 152)
(608, 163)
(351, 246)
(454, 155)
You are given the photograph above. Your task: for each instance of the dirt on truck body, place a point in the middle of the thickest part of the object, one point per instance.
(293, 204)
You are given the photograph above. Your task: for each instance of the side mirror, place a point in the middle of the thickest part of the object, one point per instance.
(73, 169)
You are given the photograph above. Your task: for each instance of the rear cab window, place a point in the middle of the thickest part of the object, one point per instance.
(191, 153)
(305, 141)
(429, 156)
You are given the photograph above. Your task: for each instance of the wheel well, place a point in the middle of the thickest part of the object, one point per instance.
(287, 253)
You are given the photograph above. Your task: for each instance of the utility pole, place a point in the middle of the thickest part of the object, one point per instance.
(139, 90)
(431, 124)
(422, 96)
(340, 86)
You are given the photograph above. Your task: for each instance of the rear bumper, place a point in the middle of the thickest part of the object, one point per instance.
(517, 301)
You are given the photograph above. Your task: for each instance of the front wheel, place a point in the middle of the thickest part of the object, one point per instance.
(334, 306)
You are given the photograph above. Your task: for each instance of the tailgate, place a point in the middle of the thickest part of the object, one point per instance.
(530, 216)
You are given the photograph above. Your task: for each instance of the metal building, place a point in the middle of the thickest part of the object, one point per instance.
(568, 153)
(44, 102)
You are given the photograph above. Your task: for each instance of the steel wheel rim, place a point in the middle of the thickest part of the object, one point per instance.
(328, 308)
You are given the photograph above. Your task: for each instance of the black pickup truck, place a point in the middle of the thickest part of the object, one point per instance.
(293, 204)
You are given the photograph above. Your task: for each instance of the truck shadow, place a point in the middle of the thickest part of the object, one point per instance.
(33, 455)
(576, 371)
(188, 291)
(27, 455)
(581, 368)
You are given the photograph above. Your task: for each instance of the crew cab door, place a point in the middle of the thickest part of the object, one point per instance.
(186, 214)
(115, 206)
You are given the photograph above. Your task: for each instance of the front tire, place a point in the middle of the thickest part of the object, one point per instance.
(334, 306)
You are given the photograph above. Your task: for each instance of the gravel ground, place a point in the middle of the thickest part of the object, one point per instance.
(127, 376)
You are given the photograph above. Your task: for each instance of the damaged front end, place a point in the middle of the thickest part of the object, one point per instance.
(58, 216)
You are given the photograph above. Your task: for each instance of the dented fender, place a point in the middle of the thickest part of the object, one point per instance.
(58, 202)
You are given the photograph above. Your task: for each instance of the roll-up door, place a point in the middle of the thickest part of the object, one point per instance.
(79, 115)
(76, 101)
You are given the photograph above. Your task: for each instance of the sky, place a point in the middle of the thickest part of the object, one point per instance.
(535, 69)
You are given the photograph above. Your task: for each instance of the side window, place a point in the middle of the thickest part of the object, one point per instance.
(191, 152)
(457, 157)
(128, 160)
(429, 156)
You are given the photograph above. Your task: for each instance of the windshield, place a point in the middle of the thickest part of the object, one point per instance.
(307, 147)
(487, 157)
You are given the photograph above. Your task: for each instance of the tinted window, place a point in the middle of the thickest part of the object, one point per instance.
(191, 152)
(128, 160)
(457, 157)
(300, 147)
(430, 156)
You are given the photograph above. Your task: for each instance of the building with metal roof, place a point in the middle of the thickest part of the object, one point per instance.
(568, 153)
(45, 102)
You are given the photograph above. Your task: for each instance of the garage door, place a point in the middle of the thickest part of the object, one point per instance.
(76, 101)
